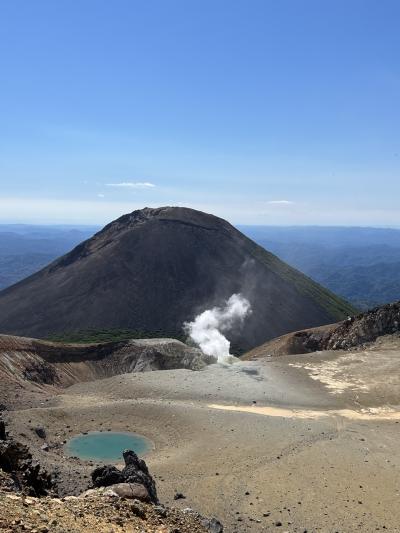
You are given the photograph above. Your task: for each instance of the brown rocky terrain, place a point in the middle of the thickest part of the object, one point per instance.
(28, 501)
(354, 331)
(96, 513)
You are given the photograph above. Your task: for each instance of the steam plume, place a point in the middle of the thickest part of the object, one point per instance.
(206, 329)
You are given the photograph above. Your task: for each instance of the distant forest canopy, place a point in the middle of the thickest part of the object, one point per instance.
(360, 264)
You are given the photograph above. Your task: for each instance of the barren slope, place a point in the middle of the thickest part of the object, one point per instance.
(154, 269)
(30, 366)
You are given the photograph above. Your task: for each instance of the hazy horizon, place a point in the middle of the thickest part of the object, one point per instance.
(238, 225)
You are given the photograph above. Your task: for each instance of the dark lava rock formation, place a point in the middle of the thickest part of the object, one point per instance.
(24, 474)
(352, 332)
(154, 269)
(135, 472)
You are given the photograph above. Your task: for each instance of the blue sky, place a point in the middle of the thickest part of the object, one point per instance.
(260, 111)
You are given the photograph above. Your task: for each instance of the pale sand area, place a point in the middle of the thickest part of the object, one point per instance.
(302, 455)
(367, 414)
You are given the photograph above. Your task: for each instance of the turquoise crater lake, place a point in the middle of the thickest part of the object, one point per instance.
(106, 446)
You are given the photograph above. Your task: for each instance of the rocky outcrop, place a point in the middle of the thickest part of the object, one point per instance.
(135, 472)
(352, 332)
(40, 372)
(16, 461)
(364, 328)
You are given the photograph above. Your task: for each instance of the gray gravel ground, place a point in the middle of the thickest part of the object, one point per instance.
(323, 472)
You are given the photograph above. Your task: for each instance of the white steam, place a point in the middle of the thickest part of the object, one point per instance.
(206, 329)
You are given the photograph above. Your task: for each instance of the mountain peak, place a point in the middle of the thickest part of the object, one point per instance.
(156, 268)
(166, 213)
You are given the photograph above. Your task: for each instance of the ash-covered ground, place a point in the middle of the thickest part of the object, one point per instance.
(292, 443)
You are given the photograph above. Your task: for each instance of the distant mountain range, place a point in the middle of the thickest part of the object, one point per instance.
(25, 249)
(155, 269)
(360, 264)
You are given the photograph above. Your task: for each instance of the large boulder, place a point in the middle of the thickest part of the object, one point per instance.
(135, 472)
(129, 491)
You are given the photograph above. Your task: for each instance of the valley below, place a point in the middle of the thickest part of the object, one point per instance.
(288, 443)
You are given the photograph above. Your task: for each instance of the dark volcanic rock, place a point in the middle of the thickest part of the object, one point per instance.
(154, 269)
(105, 476)
(354, 331)
(40, 372)
(16, 460)
(40, 432)
(135, 472)
(2, 430)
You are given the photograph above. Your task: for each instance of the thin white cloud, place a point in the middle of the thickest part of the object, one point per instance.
(280, 202)
(101, 195)
(132, 185)
(70, 211)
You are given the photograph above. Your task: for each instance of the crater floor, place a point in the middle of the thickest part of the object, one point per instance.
(309, 442)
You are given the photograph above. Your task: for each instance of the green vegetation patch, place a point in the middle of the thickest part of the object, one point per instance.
(90, 336)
